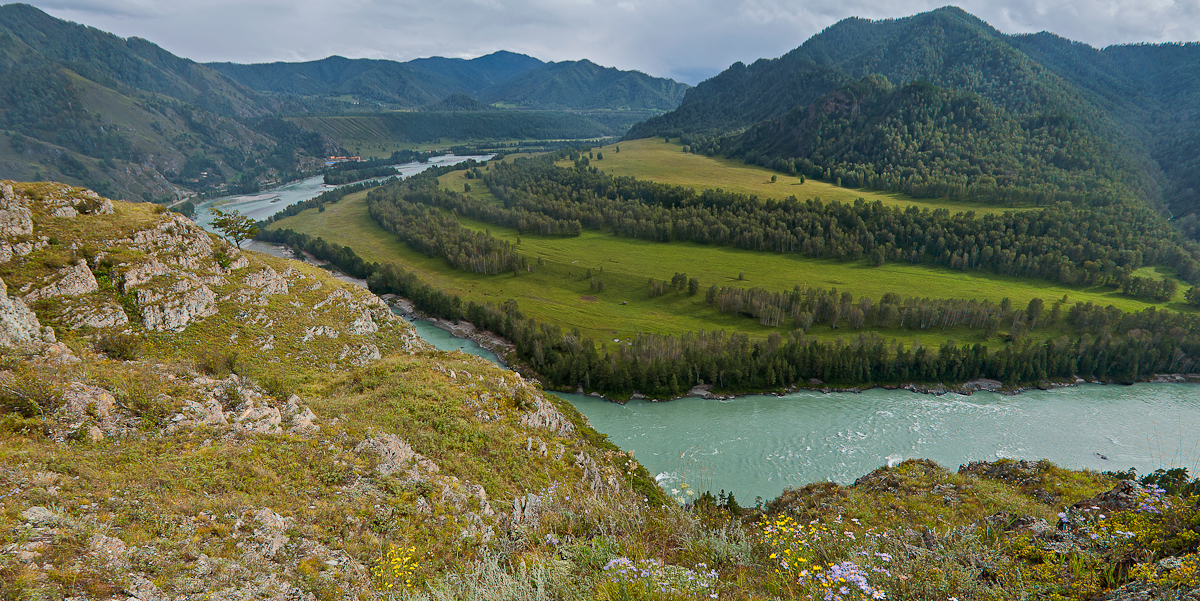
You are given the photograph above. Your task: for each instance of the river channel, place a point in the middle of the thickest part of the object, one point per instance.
(261, 205)
(758, 445)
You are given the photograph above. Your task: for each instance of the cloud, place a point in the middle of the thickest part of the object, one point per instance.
(686, 39)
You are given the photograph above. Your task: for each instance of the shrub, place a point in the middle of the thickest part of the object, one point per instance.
(29, 392)
(120, 346)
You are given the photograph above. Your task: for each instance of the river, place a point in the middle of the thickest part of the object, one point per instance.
(261, 205)
(758, 445)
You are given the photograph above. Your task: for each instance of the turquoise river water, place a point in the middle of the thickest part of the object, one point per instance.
(758, 445)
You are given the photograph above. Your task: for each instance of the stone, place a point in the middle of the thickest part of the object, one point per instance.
(546, 415)
(80, 399)
(104, 315)
(256, 418)
(396, 456)
(74, 280)
(18, 325)
(15, 217)
(175, 313)
(270, 533)
(363, 325)
(267, 281)
(1125, 495)
(360, 355)
(40, 516)
(142, 589)
(111, 550)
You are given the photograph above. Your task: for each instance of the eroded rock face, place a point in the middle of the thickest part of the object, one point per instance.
(267, 281)
(18, 325)
(104, 315)
(1125, 495)
(15, 217)
(74, 280)
(173, 310)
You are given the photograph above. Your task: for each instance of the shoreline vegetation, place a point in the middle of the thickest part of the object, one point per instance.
(1104, 345)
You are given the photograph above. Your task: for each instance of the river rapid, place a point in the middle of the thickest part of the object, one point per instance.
(758, 445)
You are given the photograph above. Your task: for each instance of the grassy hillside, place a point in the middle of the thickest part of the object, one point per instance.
(196, 461)
(560, 291)
(658, 160)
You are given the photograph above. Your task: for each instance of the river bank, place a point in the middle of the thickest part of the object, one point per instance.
(506, 351)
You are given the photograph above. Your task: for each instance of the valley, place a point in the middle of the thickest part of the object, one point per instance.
(903, 245)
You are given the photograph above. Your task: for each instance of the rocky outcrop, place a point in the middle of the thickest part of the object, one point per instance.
(174, 309)
(15, 217)
(267, 281)
(103, 315)
(74, 280)
(18, 325)
(1127, 494)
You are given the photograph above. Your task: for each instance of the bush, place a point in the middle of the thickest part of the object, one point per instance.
(119, 346)
(29, 392)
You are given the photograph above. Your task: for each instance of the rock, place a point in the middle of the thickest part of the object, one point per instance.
(40, 516)
(396, 456)
(18, 325)
(314, 331)
(15, 217)
(360, 355)
(1020, 524)
(110, 550)
(983, 384)
(546, 415)
(270, 533)
(80, 399)
(141, 589)
(136, 276)
(1125, 495)
(363, 325)
(267, 281)
(259, 419)
(174, 313)
(104, 315)
(74, 280)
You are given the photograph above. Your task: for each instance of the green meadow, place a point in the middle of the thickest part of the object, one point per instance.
(660, 161)
(561, 291)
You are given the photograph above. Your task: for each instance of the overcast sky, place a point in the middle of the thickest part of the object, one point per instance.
(688, 40)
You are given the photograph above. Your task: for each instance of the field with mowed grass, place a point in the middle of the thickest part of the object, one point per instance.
(562, 291)
(660, 161)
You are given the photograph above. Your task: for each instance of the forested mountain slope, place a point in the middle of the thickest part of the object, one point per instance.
(1130, 103)
(503, 78)
(129, 119)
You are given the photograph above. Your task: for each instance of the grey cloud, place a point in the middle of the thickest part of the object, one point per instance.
(686, 39)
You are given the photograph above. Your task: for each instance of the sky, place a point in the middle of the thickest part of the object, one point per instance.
(687, 40)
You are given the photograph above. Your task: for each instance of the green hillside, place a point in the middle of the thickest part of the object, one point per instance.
(1125, 106)
(129, 119)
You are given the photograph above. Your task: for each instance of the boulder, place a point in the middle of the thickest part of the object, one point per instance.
(18, 325)
(1125, 495)
(74, 280)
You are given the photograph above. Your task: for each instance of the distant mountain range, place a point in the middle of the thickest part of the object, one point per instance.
(131, 120)
(502, 78)
(1088, 123)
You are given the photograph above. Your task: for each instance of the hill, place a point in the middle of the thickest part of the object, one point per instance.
(501, 78)
(180, 418)
(584, 85)
(128, 118)
(1134, 97)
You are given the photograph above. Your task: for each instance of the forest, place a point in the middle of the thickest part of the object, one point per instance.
(1098, 244)
(1093, 245)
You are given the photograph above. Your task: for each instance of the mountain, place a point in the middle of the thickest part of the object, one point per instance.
(455, 103)
(128, 118)
(501, 78)
(584, 85)
(1136, 103)
(368, 80)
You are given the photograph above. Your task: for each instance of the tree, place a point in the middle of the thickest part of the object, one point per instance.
(234, 226)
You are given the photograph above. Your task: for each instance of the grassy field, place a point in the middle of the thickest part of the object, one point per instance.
(560, 291)
(654, 159)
